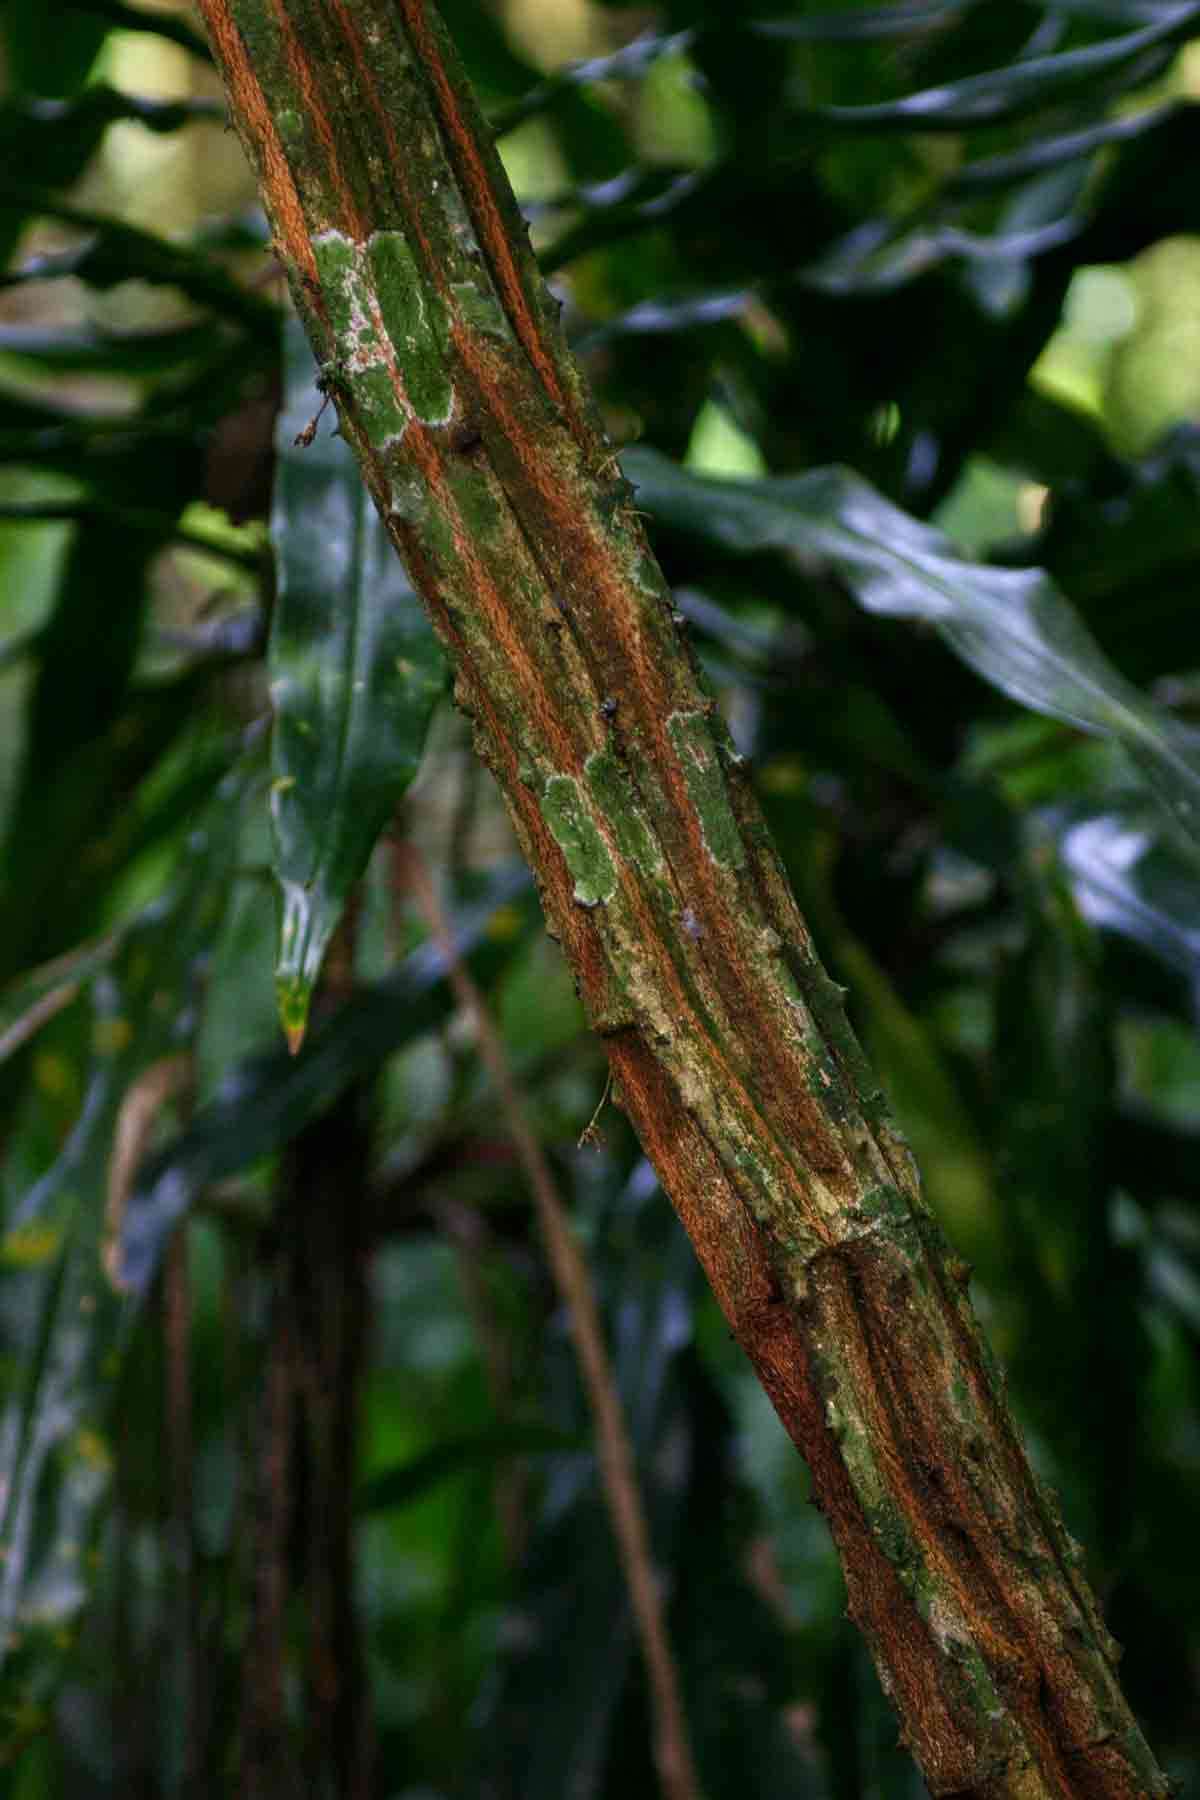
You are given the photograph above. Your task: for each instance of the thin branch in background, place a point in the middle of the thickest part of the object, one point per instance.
(180, 1444)
(672, 1746)
(143, 1101)
(266, 1762)
(591, 1133)
(326, 1297)
(37, 1015)
(468, 1232)
(324, 1302)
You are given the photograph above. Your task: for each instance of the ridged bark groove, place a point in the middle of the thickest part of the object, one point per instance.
(729, 1047)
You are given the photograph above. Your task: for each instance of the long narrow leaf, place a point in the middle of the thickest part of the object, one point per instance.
(113, 252)
(1013, 626)
(355, 675)
(1127, 879)
(63, 1318)
(1019, 87)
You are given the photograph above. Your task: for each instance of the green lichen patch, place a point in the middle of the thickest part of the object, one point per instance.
(479, 306)
(415, 321)
(697, 755)
(885, 1205)
(336, 257)
(383, 318)
(612, 791)
(565, 811)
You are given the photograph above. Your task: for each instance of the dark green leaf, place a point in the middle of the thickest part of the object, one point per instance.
(113, 252)
(355, 674)
(595, 1738)
(43, 63)
(1054, 1073)
(90, 735)
(64, 1316)
(987, 172)
(1020, 87)
(116, 352)
(64, 133)
(117, 14)
(412, 1480)
(264, 1102)
(31, 1001)
(1128, 878)
(1012, 625)
(48, 62)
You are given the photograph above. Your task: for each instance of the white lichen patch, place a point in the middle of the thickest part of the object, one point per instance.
(389, 332)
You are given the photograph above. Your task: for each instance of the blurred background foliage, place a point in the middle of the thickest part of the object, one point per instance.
(296, 1485)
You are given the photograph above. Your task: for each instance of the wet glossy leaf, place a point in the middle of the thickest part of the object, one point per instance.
(630, 62)
(1128, 878)
(355, 675)
(987, 172)
(63, 1318)
(854, 25)
(1012, 625)
(1022, 86)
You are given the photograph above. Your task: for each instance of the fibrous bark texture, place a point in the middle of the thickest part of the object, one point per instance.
(729, 1047)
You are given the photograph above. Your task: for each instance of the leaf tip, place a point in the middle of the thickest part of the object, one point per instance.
(293, 999)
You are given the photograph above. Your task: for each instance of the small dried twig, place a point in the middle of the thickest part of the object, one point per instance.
(591, 1133)
(468, 1232)
(38, 1014)
(180, 1441)
(672, 1747)
(143, 1101)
